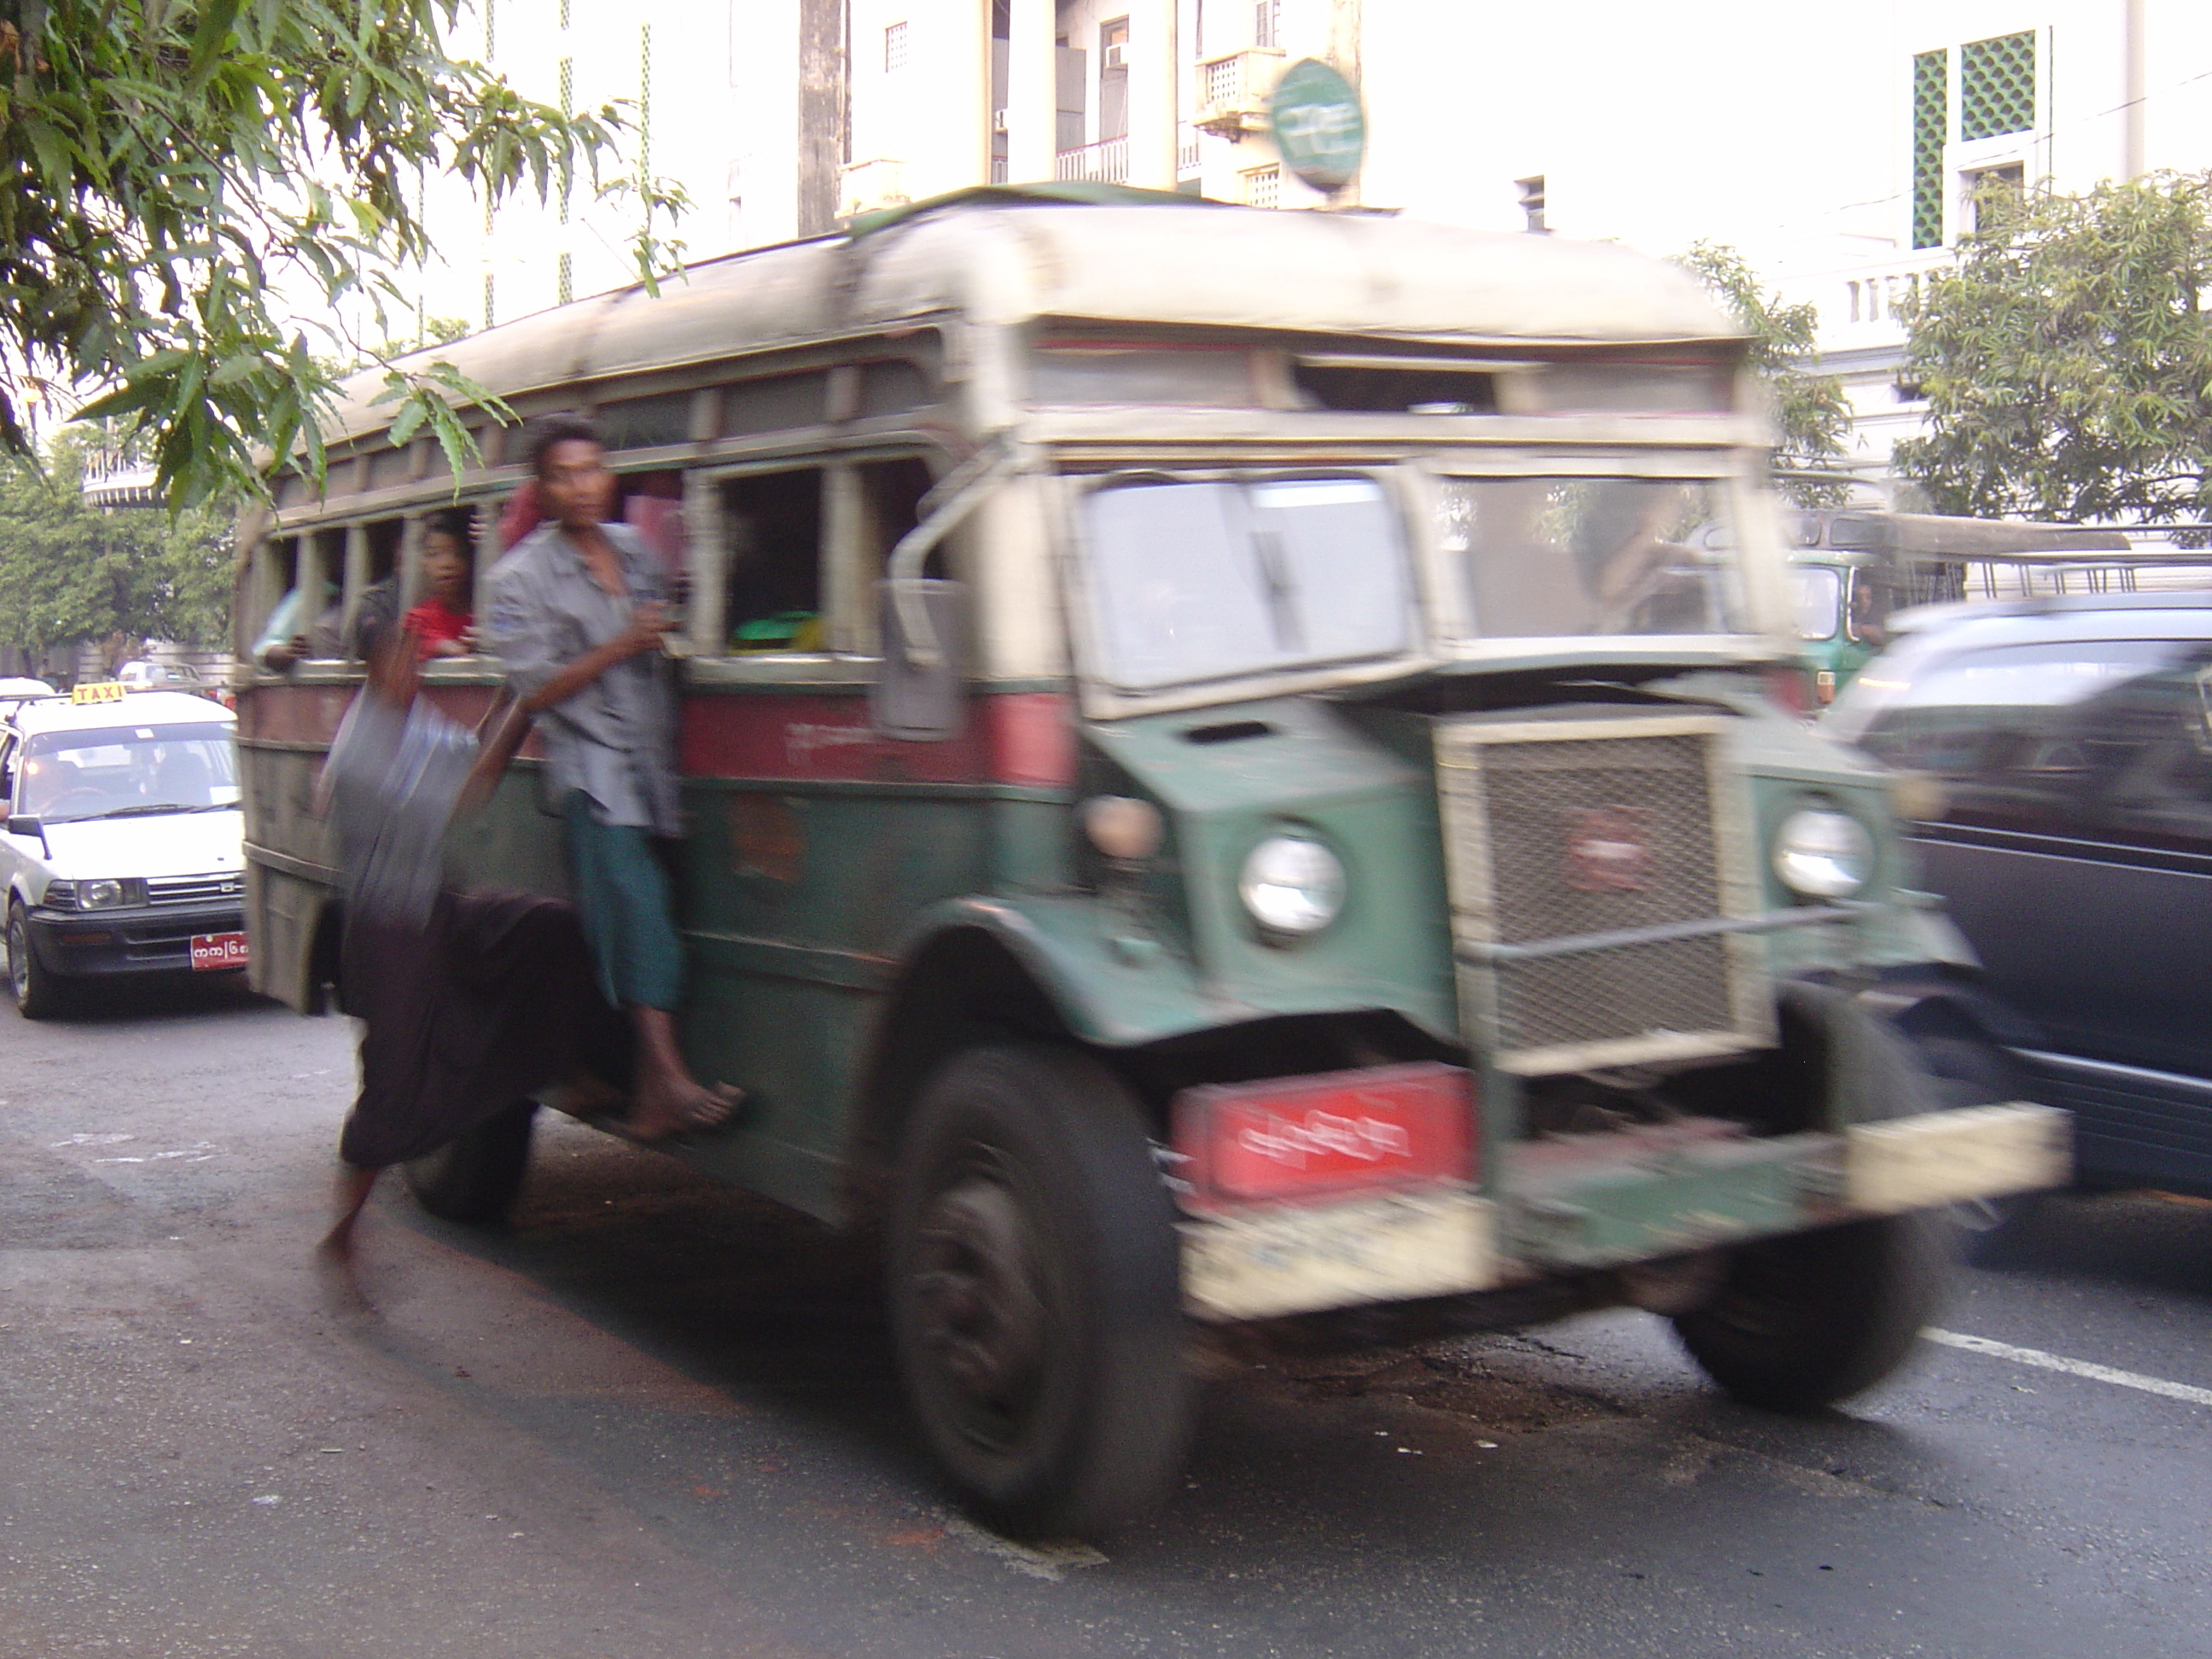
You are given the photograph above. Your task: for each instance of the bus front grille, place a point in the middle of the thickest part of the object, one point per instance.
(1563, 835)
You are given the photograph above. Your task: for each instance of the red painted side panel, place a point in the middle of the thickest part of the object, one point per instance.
(1021, 738)
(1024, 739)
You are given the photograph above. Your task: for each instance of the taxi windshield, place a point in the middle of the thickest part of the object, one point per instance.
(1192, 581)
(1558, 557)
(129, 772)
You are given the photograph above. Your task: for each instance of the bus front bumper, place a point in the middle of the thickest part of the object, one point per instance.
(1598, 1202)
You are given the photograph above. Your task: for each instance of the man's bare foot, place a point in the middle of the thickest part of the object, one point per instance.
(334, 1266)
(665, 1108)
(334, 1255)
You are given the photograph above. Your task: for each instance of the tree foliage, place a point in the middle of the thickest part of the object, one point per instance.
(176, 176)
(1812, 419)
(71, 571)
(2067, 361)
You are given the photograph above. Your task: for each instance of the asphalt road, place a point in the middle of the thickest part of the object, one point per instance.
(658, 1419)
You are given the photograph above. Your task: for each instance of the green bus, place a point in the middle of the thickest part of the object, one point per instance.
(1232, 798)
(1852, 566)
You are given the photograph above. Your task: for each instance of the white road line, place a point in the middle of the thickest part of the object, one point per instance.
(2051, 1362)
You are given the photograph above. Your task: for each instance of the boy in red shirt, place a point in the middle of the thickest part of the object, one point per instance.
(444, 624)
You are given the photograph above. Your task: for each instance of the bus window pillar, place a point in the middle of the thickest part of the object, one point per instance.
(356, 582)
(1032, 99)
(706, 558)
(313, 580)
(410, 563)
(848, 580)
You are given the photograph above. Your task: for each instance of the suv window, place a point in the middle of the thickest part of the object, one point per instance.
(2103, 738)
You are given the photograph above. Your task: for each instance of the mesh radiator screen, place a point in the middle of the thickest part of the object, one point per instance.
(1555, 838)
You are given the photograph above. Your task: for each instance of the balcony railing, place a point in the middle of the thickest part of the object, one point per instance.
(1106, 162)
(1862, 305)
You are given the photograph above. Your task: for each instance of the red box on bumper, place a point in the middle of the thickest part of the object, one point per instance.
(1325, 1135)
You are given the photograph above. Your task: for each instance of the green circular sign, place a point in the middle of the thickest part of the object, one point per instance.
(1319, 132)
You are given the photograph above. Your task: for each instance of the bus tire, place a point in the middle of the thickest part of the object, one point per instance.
(1035, 1292)
(1805, 1320)
(475, 1176)
(39, 993)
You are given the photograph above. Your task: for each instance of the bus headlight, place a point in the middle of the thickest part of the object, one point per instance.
(1292, 884)
(1822, 853)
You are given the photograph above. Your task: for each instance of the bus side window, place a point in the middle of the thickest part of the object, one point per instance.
(1869, 613)
(279, 573)
(771, 525)
(886, 499)
(373, 582)
(322, 571)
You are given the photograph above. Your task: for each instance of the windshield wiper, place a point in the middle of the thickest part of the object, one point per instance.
(1282, 603)
(147, 809)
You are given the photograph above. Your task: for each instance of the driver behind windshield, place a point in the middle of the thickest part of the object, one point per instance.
(87, 774)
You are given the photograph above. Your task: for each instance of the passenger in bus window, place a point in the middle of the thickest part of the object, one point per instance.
(576, 613)
(444, 624)
(289, 635)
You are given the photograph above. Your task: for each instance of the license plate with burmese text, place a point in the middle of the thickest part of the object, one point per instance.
(214, 952)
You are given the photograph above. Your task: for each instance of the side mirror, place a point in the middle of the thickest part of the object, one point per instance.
(21, 824)
(918, 696)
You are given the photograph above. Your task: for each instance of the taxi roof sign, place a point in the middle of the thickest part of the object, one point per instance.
(100, 692)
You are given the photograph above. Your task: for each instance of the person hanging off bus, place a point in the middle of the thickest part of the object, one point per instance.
(576, 613)
(444, 624)
(470, 1002)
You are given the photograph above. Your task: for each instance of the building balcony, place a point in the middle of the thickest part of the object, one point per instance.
(1234, 90)
(1862, 305)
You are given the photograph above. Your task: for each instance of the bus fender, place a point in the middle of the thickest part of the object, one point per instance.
(1114, 989)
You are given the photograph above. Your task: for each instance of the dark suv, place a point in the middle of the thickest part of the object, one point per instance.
(2066, 817)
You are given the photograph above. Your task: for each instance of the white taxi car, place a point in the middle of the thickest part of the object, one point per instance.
(124, 846)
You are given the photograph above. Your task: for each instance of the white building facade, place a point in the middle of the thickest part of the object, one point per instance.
(1838, 146)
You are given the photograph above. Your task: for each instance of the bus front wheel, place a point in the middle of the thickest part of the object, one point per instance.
(1035, 1295)
(1804, 1321)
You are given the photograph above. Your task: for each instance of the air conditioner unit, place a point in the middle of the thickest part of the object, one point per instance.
(1233, 90)
(1116, 56)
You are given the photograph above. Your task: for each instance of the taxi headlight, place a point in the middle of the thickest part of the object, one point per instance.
(100, 894)
(1292, 884)
(1822, 853)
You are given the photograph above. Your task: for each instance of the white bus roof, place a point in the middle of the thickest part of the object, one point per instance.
(1001, 259)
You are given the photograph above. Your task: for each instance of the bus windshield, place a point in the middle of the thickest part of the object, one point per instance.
(1818, 592)
(1558, 558)
(1193, 581)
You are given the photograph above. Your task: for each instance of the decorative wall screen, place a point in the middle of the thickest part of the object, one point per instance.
(1932, 102)
(1997, 86)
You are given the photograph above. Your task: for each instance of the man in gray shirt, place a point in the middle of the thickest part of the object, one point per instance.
(576, 613)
